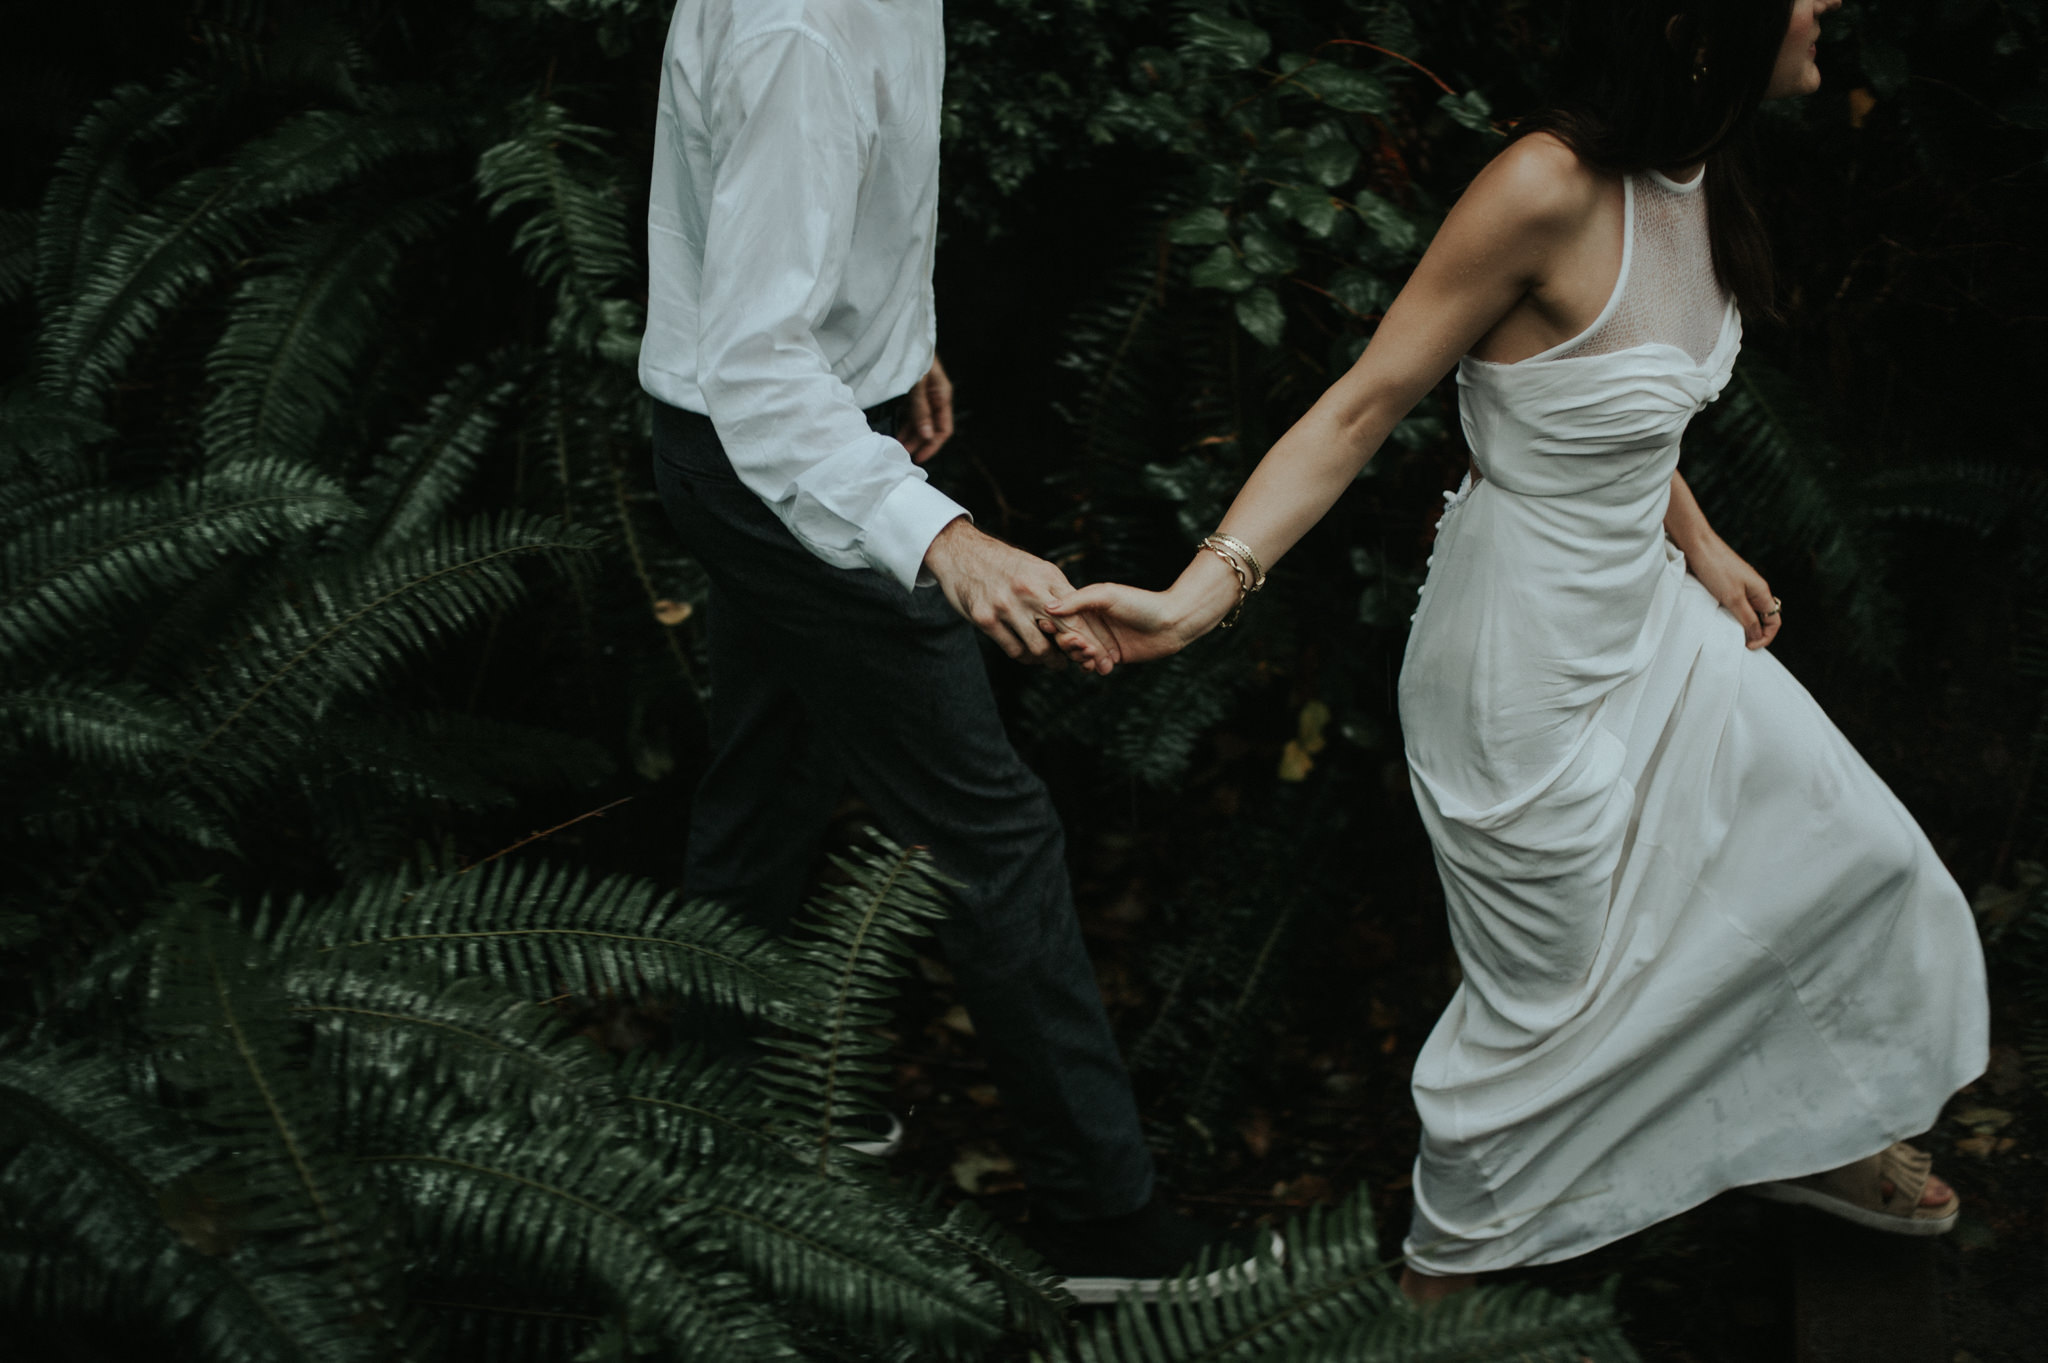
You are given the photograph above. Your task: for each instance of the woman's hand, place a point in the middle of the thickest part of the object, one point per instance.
(1737, 586)
(1137, 625)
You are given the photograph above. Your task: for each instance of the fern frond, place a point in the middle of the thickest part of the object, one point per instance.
(299, 329)
(345, 628)
(703, 1107)
(214, 1009)
(1148, 721)
(1512, 1324)
(413, 482)
(541, 931)
(853, 942)
(17, 254)
(1771, 483)
(61, 576)
(1332, 1281)
(821, 1245)
(188, 234)
(463, 1037)
(1981, 499)
(575, 239)
(106, 1186)
(93, 192)
(120, 727)
(40, 439)
(1034, 1295)
(573, 1207)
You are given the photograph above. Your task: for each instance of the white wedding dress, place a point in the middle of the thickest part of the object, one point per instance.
(1703, 945)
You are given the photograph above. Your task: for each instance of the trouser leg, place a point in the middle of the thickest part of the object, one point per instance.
(895, 680)
(771, 784)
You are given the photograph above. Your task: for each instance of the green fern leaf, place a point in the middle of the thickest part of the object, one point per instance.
(120, 727)
(40, 439)
(109, 1189)
(300, 327)
(344, 629)
(1772, 484)
(188, 234)
(17, 254)
(1035, 1297)
(93, 191)
(574, 240)
(1332, 1281)
(62, 576)
(427, 465)
(540, 931)
(819, 1244)
(572, 1206)
(853, 942)
(459, 1036)
(703, 1107)
(226, 1045)
(1490, 1324)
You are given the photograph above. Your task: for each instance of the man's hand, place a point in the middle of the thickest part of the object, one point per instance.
(1136, 626)
(1005, 592)
(928, 414)
(1739, 588)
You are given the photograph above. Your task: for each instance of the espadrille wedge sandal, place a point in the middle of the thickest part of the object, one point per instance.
(1856, 1192)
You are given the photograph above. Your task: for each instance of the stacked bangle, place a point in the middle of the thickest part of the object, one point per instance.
(1244, 566)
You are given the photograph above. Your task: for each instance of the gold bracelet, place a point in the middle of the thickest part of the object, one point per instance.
(1244, 589)
(1243, 550)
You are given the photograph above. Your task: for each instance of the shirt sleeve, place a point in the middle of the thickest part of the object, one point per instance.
(791, 146)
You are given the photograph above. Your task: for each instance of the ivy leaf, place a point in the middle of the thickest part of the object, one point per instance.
(1387, 222)
(1203, 227)
(1360, 291)
(1469, 109)
(1237, 43)
(1259, 313)
(1330, 160)
(1342, 88)
(1222, 270)
(1309, 206)
(1267, 254)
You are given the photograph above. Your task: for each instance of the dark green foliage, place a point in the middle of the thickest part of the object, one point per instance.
(72, 558)
(861, 935)
(544, 931)
(1779, 488)
(1333, 1301)
(324, 519)
(301, 1109)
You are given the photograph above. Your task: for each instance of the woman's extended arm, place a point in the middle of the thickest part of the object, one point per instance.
(1720, 569)
(1495, 249)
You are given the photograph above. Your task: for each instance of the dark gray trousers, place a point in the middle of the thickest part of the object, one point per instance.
(824, 678)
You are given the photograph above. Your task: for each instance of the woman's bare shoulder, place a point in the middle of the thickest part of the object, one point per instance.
(1537, 185)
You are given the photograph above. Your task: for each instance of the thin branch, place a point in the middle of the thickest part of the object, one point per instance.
(546, 833)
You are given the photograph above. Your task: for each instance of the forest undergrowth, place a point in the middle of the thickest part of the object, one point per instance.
(350, 684)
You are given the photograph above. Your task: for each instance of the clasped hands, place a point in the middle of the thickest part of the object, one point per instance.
(1026, 604)
(1011, 596)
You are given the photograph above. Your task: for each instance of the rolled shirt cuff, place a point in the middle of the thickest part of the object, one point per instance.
(904, 526)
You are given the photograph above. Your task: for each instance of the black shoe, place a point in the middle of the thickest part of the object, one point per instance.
(1137, 1254)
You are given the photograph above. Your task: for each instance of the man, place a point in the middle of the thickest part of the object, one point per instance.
(791, 232)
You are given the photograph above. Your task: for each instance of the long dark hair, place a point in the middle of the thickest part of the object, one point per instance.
(1653, 84)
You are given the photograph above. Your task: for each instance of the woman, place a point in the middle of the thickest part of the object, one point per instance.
(1703, 945)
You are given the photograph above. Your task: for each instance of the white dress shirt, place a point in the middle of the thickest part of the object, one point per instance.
(790, 235)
